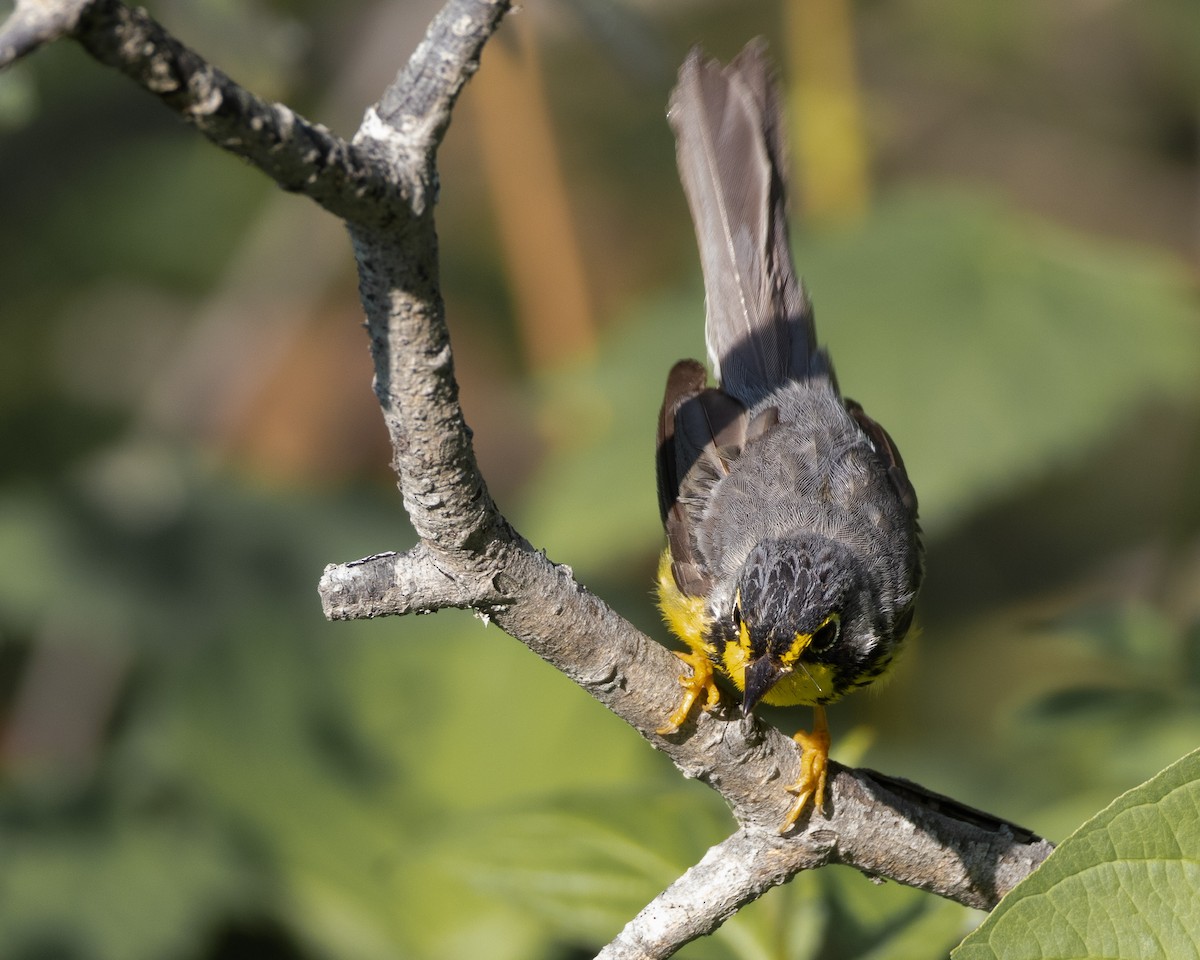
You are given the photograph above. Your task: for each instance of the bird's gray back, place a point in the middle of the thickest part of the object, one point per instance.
(815, 472)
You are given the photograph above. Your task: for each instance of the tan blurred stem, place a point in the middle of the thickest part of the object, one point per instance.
(825, 104)
(72, 662)
(529, 197)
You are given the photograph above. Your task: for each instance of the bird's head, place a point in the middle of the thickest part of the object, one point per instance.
(793, 609)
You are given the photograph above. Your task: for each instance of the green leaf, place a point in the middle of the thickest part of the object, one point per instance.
(1125, 884)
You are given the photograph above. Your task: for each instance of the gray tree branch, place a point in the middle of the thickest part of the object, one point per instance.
(384, 185)
(300, 156)
(33, 24)
(937, 845)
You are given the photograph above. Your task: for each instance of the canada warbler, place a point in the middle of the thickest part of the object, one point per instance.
(793, 553)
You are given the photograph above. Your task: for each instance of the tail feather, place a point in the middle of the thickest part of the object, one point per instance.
(728, 132)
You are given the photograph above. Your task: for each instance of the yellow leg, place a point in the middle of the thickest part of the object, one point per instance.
(814, 761)
(700, 682)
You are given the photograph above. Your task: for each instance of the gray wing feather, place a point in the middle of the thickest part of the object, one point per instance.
(701, 432)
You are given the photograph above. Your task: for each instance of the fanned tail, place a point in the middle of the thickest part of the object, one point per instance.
(727, 124)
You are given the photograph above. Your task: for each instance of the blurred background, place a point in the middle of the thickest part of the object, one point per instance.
(997, 211)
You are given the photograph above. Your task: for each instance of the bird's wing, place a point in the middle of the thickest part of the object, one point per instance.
(701, 431)
(888, 453)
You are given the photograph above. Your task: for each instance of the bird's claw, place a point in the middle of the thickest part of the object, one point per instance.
(814, 765)
(700, 681)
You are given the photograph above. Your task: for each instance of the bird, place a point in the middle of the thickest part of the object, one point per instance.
(793, 552)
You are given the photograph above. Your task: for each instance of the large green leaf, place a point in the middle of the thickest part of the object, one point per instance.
(1126, 884)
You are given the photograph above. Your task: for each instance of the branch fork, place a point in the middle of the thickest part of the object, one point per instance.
(383, 184)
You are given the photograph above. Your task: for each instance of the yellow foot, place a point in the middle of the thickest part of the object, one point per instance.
(814, 761)
(700, 682)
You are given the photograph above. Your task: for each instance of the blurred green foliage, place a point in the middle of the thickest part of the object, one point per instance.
(196, 765)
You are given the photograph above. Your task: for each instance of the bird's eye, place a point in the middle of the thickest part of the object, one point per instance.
(826, 634)
(737, 615)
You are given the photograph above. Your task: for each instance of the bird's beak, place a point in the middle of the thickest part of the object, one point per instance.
(761, 675)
